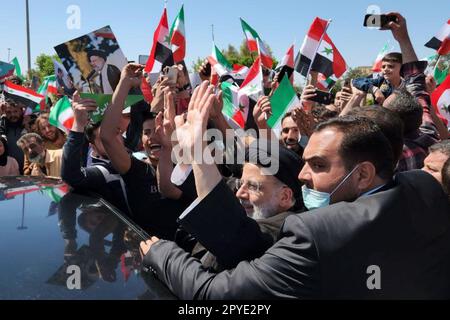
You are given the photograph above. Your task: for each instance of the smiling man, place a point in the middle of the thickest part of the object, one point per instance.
(147, 208)
(290, 134)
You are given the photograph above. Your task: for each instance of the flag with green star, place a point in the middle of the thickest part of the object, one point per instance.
(328, 60)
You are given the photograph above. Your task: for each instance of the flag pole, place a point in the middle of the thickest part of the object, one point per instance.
(315, 53)
(28, 37)
(212, 33)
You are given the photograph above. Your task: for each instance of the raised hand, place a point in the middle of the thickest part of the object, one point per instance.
(308, 93)
(81, 109)
(305, 121)
(163, 86)
(262, 112)
(190, 131)
(132, 73)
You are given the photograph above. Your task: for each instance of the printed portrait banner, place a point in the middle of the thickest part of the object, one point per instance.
(94, 61)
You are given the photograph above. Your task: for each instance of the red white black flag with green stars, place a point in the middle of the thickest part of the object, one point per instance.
(328, 60)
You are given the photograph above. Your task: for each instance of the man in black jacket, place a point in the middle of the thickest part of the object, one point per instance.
(11, 125)
(100, 177)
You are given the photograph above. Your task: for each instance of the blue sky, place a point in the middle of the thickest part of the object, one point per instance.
(279, 23)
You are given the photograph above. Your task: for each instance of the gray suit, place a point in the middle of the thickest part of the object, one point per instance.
(403, 229)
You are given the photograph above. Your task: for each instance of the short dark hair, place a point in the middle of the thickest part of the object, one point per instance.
(408, 109)
(97, 53)
(395, 57)
(389, 122)
(148, 115)
(89, 131)
(446, 176)
(287, 115)
(442, 147)
(363, 140)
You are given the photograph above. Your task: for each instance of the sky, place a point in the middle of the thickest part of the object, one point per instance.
(279, 23)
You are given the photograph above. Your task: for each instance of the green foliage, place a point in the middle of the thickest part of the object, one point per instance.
(45, 66)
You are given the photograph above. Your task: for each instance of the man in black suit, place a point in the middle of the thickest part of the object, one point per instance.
(109, 73)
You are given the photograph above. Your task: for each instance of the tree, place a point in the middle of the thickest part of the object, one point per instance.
(45, 66)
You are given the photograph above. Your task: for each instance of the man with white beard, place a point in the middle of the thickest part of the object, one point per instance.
(265, 197)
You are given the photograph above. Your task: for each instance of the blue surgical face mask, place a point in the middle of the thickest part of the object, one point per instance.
(316, 199)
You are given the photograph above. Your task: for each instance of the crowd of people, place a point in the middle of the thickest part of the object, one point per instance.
(356, 185)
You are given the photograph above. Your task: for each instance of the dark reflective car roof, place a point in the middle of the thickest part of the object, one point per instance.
(45, 229)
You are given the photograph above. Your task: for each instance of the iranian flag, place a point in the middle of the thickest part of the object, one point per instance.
(251, 36)
(61, 115)
(219, 62)
(283, 100)
(178, 37)
(328, 60)
(252, 86)
(223, 67)
(441, 41)
(441, 99)
(48, 86)
(286, 65)
(56, 193)
(324, 83)
(377, 64)
(6, 70)
(160, 55)
(264, 54)
(23, 95)
(310, 45)
(232, 106)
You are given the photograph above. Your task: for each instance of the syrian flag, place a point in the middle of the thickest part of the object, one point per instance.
(441, 99)
(378, 61)
(324, 83)
(160, 55)
(232, 106)
(252, 86)
(61, 115)
(286, 65)
(441, 41)
(283, 100)
(178, 37)
(264, 54)
(328, 60)
(310, 45)
(251, 36)
(6, 70)
(23, 95)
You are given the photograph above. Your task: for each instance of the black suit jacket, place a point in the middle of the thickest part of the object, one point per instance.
(327, 253)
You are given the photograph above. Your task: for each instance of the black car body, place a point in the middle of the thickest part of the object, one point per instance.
(57, 244)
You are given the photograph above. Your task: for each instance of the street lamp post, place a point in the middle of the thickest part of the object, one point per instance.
(28, 37)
